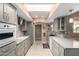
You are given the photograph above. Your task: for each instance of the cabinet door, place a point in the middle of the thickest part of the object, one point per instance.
(7, 48)
(1, 12)
(5, 13)
(12, 16)
(20, 49)
(26, 46)
(61, 51)
(9, 14)
(11, 53)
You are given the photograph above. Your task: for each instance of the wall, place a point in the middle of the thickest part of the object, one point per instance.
(19, 33)
(71, 34)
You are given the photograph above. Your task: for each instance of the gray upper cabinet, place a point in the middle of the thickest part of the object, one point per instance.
(1, 11)
(12, 16)
(8, 13)
(5, 13)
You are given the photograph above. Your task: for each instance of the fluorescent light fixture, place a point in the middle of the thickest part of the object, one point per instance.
(39, 7)
(71, 20)
(39, 1)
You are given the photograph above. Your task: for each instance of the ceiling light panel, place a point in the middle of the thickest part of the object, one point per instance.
(39, 7)
(39, 1)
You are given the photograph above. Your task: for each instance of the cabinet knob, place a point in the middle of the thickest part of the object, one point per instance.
(7, 25)
(4, 25)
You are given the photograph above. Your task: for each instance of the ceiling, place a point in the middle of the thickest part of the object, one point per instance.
(64, 9)
(39, 9)
(38, 14)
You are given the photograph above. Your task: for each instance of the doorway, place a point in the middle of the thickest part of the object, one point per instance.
(38, 31)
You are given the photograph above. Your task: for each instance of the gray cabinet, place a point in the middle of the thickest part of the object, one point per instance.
(23, 47)
(20, 49)
(63, 47)
(5, 13)
(56, 49)
(10, 15)
(12, 53)
(27, 45)
(7, 48)
(1, 11)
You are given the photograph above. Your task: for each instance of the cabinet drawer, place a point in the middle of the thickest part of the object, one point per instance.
(6, 48)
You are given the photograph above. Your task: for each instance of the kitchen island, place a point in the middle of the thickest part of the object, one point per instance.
(61, 46)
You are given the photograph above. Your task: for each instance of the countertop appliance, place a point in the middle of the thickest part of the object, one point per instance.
(7, 33)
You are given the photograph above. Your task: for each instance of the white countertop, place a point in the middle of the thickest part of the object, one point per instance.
(20, 39)
(66, 43)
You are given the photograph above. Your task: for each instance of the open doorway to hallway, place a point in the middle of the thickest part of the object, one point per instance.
(38, 32)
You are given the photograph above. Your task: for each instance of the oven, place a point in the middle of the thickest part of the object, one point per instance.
(7, 33)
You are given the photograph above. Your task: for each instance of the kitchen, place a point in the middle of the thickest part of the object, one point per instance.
(25, 32)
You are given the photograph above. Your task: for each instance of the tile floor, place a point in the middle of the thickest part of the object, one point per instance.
(38, 50)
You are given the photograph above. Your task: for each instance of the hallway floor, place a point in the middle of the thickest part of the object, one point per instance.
(38, 50)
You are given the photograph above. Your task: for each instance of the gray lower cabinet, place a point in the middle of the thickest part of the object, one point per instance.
(59, 50)
(23, 47)
(11, 52)
(56, 49)
(8, 49)
(71, 52)
(28, 44)
(20, 49)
